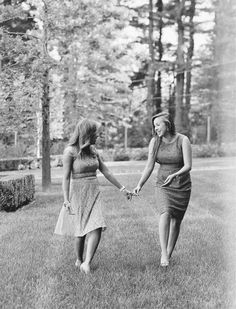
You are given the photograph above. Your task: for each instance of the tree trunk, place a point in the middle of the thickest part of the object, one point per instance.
(171, 102)
(180, 69)
(158, 100)
(189, 69)
(39, 134)
(46, 168)
(151, 71)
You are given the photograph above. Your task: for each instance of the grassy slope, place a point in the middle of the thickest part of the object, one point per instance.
(37, 268)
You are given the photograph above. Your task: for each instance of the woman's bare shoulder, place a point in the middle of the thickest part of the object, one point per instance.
(70, 151)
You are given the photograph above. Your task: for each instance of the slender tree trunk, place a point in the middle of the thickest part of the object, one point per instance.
(218, 109)
(39, 133)
(180, 68)
(158, 100)
(172, 101)
(46, 168)
(189, 69)
(151, 71)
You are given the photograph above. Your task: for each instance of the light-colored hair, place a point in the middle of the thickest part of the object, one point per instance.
(85, 131)
(168, 121)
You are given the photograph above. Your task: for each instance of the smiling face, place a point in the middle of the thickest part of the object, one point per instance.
(160, 126)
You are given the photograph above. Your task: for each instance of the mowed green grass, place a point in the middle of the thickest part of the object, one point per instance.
(37, 267)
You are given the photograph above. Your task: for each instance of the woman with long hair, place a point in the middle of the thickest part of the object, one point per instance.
(81, 193)
(172, 151)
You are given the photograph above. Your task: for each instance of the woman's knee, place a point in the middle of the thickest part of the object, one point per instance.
(95, 232)
(165, 215)
(176, 222)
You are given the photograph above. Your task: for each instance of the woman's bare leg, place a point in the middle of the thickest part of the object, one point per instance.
(79, 249)
(93, 239)
(164, 227)
(173, 235)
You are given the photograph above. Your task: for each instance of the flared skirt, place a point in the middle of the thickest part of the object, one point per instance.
(86, 206)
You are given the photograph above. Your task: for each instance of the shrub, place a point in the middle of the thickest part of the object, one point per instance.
(30, 163)
(121, 156)
(207, 151)
(16, 191)
(106, 154)
(15, 164)
(140, 154)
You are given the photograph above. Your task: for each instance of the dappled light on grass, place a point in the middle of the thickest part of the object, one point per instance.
(38, 267)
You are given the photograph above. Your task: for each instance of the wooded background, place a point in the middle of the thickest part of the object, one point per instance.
(118, 62)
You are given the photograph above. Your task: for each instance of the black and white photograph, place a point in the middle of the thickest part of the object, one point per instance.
(118, 154)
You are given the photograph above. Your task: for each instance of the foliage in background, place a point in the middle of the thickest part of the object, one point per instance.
(98, 61)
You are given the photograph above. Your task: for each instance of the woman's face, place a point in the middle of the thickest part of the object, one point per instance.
(98, 136)
(160, 126)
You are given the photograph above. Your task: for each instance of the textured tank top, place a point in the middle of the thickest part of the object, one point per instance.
(171, 153)
(86, 165)
(170, 158)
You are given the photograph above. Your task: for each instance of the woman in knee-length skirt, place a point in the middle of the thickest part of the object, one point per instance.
(82, 215)
(172, 151)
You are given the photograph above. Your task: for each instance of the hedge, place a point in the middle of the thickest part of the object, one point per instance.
(15, 164)
(16, 191)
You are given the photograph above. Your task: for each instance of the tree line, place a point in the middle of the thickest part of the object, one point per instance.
(113, 60)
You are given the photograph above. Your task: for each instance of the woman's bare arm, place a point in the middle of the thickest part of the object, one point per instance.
(148, 168)
(67, 168)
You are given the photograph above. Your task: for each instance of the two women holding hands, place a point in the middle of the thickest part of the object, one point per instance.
(82, 196)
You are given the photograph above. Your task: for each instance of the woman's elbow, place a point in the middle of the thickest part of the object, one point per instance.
(66, 179)
(188, 168)
(150, 167)
(107, 174)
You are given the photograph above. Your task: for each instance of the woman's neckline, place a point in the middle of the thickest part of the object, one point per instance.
(174, 139)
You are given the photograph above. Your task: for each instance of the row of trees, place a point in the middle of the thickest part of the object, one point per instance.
(112, 60)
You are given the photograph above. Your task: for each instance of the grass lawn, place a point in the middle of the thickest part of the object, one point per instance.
(37, 268)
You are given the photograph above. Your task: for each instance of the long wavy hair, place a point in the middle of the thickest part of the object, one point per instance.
(84, 136)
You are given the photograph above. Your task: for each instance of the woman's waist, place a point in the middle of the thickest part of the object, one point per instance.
(178, 181)
(170, 166)
(83, 176)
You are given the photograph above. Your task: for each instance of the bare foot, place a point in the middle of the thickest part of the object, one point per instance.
(164, 261)
(85, 268)
(78, 263)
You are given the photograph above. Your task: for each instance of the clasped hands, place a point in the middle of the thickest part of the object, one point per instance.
(130, 194)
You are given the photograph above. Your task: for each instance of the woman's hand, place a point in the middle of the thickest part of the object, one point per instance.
(137, 190)
(67, 205)
(127, 194)
(169, 179)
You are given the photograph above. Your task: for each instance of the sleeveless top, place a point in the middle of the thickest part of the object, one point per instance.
(85, 165)
(170, 158)
(170, 153)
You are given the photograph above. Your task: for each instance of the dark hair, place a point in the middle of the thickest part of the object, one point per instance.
(84, 133)
(168, 121)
